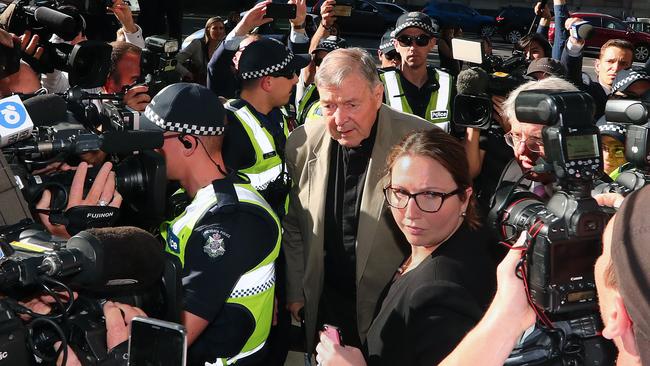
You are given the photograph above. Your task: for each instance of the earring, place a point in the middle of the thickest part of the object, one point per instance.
(463, 214)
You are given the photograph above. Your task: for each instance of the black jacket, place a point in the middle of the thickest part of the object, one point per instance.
(429, 309)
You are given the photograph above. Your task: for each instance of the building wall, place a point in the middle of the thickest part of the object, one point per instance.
(619, 8)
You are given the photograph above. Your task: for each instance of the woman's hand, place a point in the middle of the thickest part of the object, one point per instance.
(330, 353)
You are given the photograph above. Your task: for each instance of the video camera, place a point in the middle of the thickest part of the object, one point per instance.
(476, 85)
(87, 63)
(140, 177)
(100, 264)
(564, 234)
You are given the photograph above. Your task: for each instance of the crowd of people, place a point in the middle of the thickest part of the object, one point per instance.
(318, 185)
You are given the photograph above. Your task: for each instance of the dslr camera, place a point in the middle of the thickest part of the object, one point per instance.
(563, 234)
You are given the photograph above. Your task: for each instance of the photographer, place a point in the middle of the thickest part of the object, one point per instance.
(621, 272)
(526, 140)
(57, 81)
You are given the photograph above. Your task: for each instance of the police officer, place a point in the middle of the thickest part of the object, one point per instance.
(309, 104)
(228, 268)
(258, 126)
(310, 97)
(418, 88)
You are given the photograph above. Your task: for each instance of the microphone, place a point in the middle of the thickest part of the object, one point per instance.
(473, 81)
(62, 24)
(47, 109)
(107, 260)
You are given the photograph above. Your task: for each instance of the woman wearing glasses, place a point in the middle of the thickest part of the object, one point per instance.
(441, 290)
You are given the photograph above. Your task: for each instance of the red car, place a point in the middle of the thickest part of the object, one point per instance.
(607, 27)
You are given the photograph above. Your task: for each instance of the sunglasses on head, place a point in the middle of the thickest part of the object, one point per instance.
(407, 41)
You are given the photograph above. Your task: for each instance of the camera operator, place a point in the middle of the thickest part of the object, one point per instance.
(227, 238)
(621, 272)
(526, 139)
(57, 81)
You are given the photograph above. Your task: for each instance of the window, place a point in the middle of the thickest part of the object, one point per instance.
(595, 21)
(613, 24)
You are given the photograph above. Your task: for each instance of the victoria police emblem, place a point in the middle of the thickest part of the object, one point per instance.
(214, 246)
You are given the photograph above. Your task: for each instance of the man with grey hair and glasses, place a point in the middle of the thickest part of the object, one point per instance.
(341, 246)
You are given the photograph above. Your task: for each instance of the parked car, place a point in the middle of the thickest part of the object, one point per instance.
(462, 15)
(368, 18)
(392, 7)
(513, 22)
(607, 27)
(639, 26)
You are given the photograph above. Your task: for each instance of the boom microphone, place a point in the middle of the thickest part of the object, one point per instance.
(46, 110)
(108, 259)
(62, 24)
(473, 81)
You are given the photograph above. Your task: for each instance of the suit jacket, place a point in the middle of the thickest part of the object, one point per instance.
(380, 246)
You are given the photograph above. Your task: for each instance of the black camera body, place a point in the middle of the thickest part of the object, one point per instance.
(158, 63)
(565, 233)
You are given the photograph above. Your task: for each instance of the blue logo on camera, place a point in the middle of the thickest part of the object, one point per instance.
(12, 115)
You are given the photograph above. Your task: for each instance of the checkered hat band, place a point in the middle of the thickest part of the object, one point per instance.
(331, 46)
(417, 24)
(386, 45)
(187, 128)
(612, 128)
(634, 76)
(269, 70)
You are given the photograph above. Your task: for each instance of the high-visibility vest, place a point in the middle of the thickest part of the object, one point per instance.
(309, 98)
(268, 163)
(439, 107)
(255, 289)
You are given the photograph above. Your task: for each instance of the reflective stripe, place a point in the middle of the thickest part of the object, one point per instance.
(230, 361)
(246, 116)
(261, 180)
(245, 195)
(254, 282)
(443, 98)
(393, 91)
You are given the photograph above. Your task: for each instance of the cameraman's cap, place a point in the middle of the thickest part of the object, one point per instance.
(187, 108)
(268, 56)
(612, 129)
(386, 44)
(627, 77)
(548, 66)
(416, 19)
(330, 44)
(631, 262)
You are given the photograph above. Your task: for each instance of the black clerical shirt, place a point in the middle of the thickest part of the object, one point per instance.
(347, 175)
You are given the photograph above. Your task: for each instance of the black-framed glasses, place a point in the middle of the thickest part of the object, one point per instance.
(289, 74)
(533, 144)
(407, 41)
(428, 201)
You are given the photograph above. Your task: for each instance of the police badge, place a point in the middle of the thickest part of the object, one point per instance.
(214, 246)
